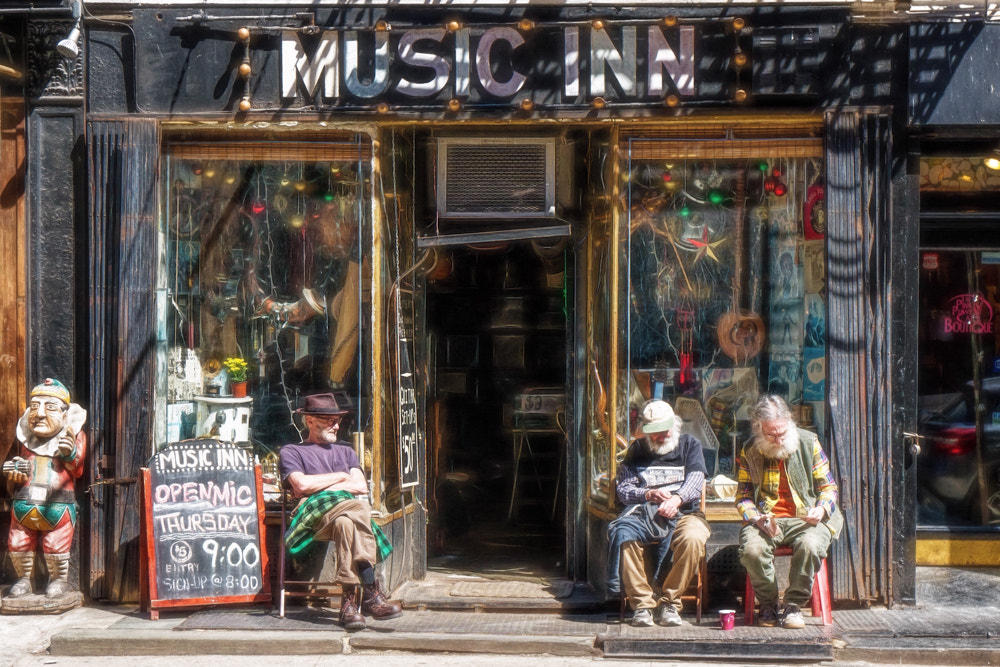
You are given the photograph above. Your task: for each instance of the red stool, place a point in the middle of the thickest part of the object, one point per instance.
(820, 593)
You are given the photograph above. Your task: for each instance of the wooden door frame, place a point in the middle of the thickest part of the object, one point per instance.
(13, 164)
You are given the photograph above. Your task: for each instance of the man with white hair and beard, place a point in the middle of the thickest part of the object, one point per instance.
(660, 481)
(787, 497)
(325, 472)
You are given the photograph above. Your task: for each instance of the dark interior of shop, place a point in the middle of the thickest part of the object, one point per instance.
(496, 326)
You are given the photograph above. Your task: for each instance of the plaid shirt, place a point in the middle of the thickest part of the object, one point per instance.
(299, 536)
(823, 484)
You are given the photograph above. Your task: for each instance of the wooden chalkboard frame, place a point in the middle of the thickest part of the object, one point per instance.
(148, 584)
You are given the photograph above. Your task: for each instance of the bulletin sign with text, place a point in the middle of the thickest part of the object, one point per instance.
(203, 527)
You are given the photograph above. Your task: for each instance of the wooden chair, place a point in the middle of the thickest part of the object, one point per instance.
(821, 605)
(309, 588)
(695, 592)
(312, 588)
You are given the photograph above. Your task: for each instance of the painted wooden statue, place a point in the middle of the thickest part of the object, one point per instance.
(53, 445)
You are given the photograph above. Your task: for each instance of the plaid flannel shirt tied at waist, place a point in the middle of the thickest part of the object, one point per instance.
(300, 533)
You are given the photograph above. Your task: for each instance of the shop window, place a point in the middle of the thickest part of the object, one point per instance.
(264, 259)
(723, 283)
(958, 382)
(599, 279)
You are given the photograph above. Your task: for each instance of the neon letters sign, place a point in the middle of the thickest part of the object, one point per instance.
(970, 313)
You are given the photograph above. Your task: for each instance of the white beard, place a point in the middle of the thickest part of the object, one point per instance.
(782, 449)
(669, 445)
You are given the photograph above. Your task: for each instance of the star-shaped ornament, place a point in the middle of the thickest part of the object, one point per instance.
(705, 247)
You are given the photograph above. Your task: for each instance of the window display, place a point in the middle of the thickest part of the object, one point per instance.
(725, 281)
(958, 383)
(262, 274)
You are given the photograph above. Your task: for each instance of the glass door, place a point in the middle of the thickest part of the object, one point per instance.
(958, 469)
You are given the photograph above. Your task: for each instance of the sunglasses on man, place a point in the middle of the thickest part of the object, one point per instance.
(329, 421)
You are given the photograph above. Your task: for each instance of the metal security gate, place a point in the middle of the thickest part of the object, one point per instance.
(863, 437)
(123, 177)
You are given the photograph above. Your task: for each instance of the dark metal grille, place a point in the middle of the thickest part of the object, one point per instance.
(496, 178)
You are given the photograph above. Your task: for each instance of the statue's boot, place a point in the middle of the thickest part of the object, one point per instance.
(24, 565)
(58, 565)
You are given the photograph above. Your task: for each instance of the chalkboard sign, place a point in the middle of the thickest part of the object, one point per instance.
(204, 520)
(409, 434)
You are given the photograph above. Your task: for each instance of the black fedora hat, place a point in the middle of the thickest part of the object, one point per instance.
(321, 404)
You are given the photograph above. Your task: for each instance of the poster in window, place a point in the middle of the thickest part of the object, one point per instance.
(815, 328)
(785, 375)
(813, 373)
(814, 269)
(786, 272)
(786, 324)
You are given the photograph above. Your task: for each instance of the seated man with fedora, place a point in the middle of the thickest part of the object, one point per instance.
(325, 472)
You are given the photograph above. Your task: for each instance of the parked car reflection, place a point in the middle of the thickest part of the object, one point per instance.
(949, 490)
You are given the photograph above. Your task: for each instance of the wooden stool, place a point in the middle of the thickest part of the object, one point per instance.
(695, 591)
(820, 593)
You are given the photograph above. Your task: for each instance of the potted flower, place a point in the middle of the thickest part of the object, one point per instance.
(236, 368)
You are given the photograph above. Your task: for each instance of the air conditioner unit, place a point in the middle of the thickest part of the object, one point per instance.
(491, 177)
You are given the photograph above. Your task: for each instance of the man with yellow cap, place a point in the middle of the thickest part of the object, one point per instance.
(53, 446)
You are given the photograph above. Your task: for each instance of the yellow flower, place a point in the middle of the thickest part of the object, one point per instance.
(237, 368)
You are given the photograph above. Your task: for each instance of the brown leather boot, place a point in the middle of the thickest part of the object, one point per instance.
(375, 604)
(350, 617)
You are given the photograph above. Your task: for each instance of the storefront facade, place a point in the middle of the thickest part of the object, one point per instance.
(495, 233)
(955, 132)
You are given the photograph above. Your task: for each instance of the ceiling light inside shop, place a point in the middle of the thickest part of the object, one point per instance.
(992, 162)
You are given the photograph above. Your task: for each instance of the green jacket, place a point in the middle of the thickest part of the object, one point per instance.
(809, 477)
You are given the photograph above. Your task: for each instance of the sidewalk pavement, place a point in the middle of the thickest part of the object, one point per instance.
(938, 636)
(949, 629)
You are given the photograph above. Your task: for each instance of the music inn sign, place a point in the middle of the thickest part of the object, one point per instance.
(638, 63)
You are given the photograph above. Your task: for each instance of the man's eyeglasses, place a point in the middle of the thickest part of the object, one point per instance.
(327, 422)
(774, 434)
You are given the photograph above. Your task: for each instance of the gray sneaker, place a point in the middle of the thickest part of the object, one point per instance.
(792, 618)
(767, 616)
(642, 618)
(668, 616)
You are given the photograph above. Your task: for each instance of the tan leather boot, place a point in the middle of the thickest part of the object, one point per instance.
(58, 565)
(24, 565)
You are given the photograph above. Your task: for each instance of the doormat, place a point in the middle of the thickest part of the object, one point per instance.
(512, 589)
(299, 619)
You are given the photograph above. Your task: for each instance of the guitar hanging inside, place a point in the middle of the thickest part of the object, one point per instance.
(741, 331)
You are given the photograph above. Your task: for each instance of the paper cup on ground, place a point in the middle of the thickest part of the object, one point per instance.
(727, 618)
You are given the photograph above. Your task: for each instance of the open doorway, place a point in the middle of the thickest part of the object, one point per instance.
(496, 443)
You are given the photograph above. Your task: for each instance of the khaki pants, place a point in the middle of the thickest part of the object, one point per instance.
(688, 549)
(348, 526)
